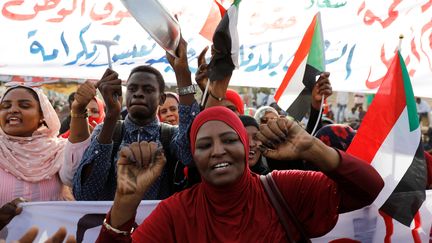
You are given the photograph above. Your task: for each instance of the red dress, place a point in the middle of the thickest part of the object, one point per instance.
(244, 213)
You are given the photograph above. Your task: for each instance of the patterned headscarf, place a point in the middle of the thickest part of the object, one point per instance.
(337, 136)
(37, 157)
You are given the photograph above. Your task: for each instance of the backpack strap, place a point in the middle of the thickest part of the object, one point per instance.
(282, 208)
(173, 167)
(166, 135)
(117, 136)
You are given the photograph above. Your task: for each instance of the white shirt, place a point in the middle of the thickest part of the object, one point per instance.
(423, 107)
(342, 98)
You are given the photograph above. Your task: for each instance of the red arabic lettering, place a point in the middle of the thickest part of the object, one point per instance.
(16, 16)
(426, 6)
(64, 12)
(362, 6)
(108, 7)
(370, 18)
(375, 84)
(388, 225)
(120, 15)
(425, 28)
(414, 49)
(14, 9)
(83, 5)
(417, 227)
(49, 4)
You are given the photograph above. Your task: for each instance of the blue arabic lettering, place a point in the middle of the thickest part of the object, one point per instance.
(250, 57)
(349, 60)
(37, 47)
(344, 49)
(64, 43)
(84, 51)
(260, 65)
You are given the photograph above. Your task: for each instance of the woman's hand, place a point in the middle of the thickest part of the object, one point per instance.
(139, 165)
(321, 88)
(284, 139)
(85, 93)
(58, 237)
(9, 211)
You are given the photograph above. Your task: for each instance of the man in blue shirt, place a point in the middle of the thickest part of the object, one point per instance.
(95, 178)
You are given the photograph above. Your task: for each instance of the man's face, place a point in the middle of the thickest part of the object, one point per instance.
(143, 96)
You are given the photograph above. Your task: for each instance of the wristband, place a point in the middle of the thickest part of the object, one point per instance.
(78, 115)
(117, 231)
(191, 89)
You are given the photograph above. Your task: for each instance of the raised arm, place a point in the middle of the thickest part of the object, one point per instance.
(359, 182)
(110, 88)
(217, 88)
(346, 183)
(93, 181)
(79, 132)
(139, 165)
(79, 128)
(183, 75)
(321, 88)
(188, 107)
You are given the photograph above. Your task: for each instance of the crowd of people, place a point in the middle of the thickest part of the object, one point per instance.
(209, 164)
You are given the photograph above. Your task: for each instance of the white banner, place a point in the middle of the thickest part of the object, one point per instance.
(84, 219)
(368, 226)
(53, 38)
(81, 219)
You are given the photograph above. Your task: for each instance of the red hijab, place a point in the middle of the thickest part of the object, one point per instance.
(236, 99)
(239, 212)
(101, 108)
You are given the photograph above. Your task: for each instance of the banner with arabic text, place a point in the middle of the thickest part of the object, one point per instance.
(53, 38)
(84, 220)
(81, 219)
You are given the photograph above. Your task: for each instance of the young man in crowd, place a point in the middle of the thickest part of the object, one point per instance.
(95, 178)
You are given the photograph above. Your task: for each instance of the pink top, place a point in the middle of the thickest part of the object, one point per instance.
(11, 187)
(49, 189)
(73, 154)
(35, 167)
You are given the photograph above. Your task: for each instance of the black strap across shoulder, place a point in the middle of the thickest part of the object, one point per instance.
(282, 208)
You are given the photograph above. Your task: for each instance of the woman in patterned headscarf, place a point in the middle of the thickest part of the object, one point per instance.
(31, 154)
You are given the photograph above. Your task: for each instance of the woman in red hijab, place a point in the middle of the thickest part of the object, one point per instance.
(230, 204)
(96, 114)
(234, 102)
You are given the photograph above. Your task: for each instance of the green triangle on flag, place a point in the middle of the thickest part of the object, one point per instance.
(409, 96)
(316, 57)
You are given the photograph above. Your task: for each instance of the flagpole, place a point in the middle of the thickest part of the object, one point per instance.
(322, 98)
(205, 93)
(319, 116)
(400, 42)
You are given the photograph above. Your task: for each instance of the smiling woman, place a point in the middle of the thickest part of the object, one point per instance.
(168, 112)
(31, 155)
(230, 204)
